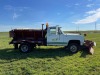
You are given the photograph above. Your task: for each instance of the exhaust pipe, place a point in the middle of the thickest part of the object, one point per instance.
(42, 33)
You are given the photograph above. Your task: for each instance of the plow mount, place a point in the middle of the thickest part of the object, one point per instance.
(89, 45)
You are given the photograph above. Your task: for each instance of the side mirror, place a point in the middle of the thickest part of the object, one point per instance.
(85, 34)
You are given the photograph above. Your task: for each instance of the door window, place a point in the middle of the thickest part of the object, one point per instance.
(52, 31)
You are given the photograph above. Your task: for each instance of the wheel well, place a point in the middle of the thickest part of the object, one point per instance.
(26, 41)
(74, 41)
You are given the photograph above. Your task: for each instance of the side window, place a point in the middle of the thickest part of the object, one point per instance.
(52, 31)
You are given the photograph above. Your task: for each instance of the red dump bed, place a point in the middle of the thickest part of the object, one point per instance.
(28, 34)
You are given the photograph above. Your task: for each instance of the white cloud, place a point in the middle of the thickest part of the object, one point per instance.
(93, 17)
(89, 5)
(15, 15)
(93, 11)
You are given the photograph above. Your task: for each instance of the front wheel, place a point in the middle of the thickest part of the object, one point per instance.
(25, 48)
(73, 47)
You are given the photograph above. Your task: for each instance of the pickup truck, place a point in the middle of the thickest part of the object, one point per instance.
(27, 39)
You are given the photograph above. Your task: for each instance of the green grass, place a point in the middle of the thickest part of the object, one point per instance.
(48, 60)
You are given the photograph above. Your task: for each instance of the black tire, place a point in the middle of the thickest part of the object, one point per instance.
(73, 47)
(25, 48)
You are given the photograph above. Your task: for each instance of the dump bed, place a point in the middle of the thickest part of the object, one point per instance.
(28, 34)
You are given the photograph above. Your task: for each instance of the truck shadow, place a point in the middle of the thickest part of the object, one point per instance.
(84, 52)
(10, 53)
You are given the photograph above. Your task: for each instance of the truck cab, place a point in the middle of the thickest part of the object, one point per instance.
(55, 36)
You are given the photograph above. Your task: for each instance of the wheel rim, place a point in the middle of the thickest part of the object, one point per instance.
(24, 48)
(73, 48)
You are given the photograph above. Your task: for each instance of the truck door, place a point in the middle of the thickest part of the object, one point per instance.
(54, 37)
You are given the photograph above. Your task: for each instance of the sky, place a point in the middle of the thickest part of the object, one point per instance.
(71, 15)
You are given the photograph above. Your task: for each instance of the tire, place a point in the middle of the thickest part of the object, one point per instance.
(25, 48)
(73, 48)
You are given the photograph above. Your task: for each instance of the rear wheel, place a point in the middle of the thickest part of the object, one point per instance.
(73, 48)
(25, 48)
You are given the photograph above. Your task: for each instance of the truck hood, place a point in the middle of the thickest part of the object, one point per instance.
(71, 34)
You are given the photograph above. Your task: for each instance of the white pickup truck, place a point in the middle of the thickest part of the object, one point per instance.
(26, 39)
(55, 36)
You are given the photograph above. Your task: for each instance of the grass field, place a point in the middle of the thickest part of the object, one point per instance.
(48, 60)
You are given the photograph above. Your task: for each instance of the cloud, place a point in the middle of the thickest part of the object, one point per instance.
(93, 17)
(8, 7)
(93, 11)
(89, 5)
(16, 9)
(22, 8)
(15, 15)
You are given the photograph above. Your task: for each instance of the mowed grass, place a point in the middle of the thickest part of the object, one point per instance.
(50, 60)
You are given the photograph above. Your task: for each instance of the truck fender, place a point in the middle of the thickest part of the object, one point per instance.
(25, 41)
(74, 41)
